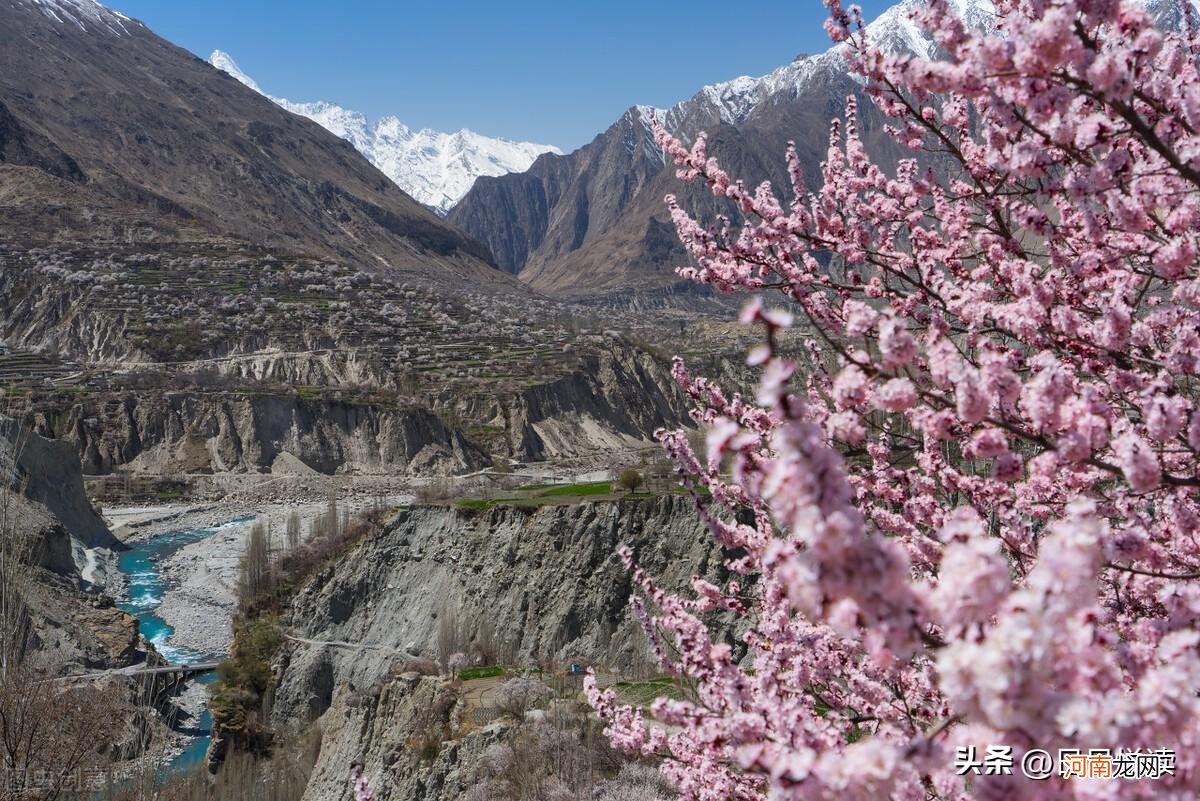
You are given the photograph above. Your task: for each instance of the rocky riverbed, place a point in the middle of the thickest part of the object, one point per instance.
(199, 579)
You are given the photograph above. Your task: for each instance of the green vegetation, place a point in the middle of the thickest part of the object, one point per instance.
(643, 693)
(485, 503)
(481, 672)
(557, 490)
(571, 490)
(307, 393)
(238, 696)
(531, 496)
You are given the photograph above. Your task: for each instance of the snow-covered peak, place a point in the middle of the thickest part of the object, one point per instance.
(434, 167)
(735, 100)
(87, 15)
(224, 62)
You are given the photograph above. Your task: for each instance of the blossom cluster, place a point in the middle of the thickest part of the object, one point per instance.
(965, 512)
(358, 784)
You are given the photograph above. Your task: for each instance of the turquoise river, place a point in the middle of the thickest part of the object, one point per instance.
(145, 592)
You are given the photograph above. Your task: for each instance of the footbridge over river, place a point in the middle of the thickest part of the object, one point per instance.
(183, 671)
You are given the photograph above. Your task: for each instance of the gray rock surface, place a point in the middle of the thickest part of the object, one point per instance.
(185, 433)
(51, 499)
(378, 729)
(548, 580)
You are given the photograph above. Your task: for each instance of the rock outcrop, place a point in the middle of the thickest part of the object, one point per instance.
(69, 627)
(548, 582)
(381, 726)
(184, 432)
(48, 500)
(80, 631)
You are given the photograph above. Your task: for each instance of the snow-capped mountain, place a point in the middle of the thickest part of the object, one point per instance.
(86, 14)
(435, 168)
(592, 222)
(736, 100)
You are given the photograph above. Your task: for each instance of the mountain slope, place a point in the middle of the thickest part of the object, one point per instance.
(435, 168)
(592, 223)
(105, 126)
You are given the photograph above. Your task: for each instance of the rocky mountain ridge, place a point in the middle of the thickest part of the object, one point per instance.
(107, 130)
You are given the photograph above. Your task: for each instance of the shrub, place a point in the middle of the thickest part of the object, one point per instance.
(637, 781)
(496, 759)
(489, 790)
(518, 695)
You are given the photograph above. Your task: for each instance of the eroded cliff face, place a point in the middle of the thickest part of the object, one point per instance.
(548, 581)
(615, 401)
(181, 432)
(70, 627)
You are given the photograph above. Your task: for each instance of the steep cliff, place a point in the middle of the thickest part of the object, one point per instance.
(547, 581)
(591, 223)
(617, 399)
(67, 626)
(48, 501)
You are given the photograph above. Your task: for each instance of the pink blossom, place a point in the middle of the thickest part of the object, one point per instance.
(860, 318)
(851, 388)
(358, 783)
(1138, 463)
(895, 343)
(1007, 467)
(896, 395)
(1164, 417)
(971, 399)
(986, 443)
(1021, 290)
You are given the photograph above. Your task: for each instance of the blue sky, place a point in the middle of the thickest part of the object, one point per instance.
(553, 72)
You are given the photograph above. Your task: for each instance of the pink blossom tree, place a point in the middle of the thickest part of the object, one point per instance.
(973, 488)
(359, 785)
